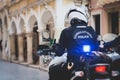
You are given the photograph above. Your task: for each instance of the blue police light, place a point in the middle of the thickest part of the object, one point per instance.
(86, 48)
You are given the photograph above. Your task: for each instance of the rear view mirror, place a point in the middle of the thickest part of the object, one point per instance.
(99, 38)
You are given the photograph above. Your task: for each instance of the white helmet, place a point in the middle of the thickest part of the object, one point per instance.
(79, 12)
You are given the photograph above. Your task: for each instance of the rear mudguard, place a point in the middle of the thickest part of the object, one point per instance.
(115, 65)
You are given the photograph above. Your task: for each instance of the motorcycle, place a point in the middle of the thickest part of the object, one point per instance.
(95, 66)
(45, 54)
(90, 66)
(115, 66)
(114, 54)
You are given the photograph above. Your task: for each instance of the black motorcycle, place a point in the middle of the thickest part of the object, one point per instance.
(115, 64)
(92, 66)
(114, 54)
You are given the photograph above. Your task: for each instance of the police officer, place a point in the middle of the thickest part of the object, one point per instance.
(72, 40)
(78, 34)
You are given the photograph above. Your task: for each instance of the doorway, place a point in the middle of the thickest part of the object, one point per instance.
(25, 48)
(35, 44)
(16, 47)
(97, 24)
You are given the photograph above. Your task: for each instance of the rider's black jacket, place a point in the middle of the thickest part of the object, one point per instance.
(113, 43)
(74, 37)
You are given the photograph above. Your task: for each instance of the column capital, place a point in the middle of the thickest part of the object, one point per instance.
(40, 30)
(29, 34)
(11, 35)
(21, 34)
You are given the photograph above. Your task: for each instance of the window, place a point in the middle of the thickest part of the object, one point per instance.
(113, 22)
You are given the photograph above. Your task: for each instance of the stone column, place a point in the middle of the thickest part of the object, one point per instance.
(40, 37)
(29, 48)
(12, 47)
(3, 51)
(20, 48)
(40, 41)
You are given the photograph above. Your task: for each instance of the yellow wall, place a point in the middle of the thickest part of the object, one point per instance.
(17, 6)
(65, 2)
(52, 4)
(26, 3)
(31, 1)
(35, 8)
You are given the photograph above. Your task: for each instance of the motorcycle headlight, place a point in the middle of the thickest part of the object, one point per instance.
(86, 48)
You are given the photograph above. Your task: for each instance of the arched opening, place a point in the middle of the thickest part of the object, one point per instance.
(47, 36)
(1, 34)
(22, 29)
(35, 38)
(14, 43)
(5, 20)
(48, 22)
(35, 43)
(1, 29)
(25, 48)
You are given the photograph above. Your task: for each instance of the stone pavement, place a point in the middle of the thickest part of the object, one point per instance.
(12, 71)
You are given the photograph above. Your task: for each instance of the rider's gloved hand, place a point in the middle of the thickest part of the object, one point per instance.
(58, 49)
(100, 54)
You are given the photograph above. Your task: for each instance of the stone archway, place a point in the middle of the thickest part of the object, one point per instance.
(33, 24)
(48, 25)
(14, 42)
(1, 34)
(47, 34)
(35, 42)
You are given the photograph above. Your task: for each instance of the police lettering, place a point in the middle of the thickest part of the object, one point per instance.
(83, 37)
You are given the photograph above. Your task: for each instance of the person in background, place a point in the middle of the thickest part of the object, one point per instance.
(112, 43)
(78, 34)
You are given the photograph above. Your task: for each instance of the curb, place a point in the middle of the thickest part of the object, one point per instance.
(27, 64)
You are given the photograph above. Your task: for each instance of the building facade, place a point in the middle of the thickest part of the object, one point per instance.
(25, 24)
(105, 16)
